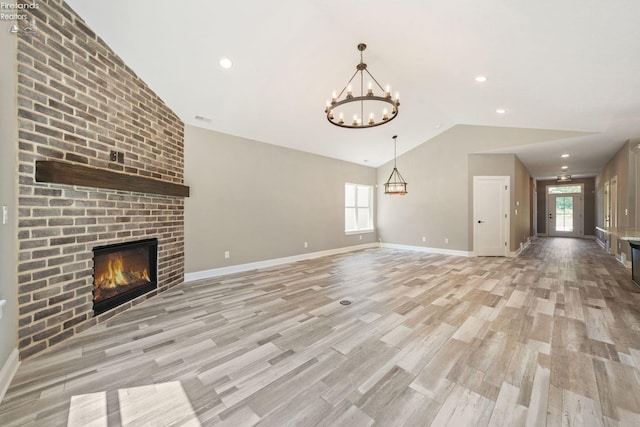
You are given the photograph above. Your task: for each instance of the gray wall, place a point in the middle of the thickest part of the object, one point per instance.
(8, 161)
(589, 204)
(622, 165)
(521, 205)
(261, 201)
(438, 205)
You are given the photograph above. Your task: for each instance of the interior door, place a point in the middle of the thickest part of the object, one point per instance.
(565, 215)
(607, 205)
(491, 222)
(613, 202)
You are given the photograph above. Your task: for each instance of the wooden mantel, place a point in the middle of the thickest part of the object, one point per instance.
(58, 172)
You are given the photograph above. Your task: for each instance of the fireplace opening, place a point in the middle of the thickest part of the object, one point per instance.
(122, 272)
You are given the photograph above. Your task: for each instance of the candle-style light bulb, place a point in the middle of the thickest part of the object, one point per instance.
(370, 90)
(371, 120)
(333, 97)
(387, 92)
(397, 97)
(385, 114)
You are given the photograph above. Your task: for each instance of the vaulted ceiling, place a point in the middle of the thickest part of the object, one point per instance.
(569, 65)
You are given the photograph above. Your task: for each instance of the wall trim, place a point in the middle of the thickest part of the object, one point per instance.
(239, 268)
(8, 371)
(522, 247)
(429, 250)
(624, 261)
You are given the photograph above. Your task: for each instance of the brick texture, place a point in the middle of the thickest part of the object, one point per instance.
(77, 101)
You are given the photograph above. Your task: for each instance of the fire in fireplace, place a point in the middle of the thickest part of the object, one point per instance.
(122, 272)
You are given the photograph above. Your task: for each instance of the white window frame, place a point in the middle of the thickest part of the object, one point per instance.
(370, 229)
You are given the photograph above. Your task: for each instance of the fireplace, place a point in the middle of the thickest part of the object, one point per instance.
(122, 272)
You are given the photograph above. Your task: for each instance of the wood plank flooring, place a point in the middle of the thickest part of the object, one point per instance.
(549, 338)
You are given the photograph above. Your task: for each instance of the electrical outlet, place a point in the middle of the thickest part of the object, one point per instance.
(227, 254)
(424, 239)
(116, 156)
(306, 245)
(446, 240)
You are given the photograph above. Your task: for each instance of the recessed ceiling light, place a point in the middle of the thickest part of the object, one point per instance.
(203, 119)
(481, 79)
(565, 167)
(226, 63)
(564, 156)
(501, 111)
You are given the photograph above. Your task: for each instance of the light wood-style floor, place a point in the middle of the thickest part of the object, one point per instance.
(549, 338)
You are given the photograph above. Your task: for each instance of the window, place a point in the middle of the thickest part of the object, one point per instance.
(358, 208)
(564, 189)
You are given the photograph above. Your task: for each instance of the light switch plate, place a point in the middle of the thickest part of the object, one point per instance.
(5, 214)
(2, 302)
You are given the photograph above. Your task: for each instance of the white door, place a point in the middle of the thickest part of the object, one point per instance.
(491, 215)
(565, 215)
(607, 205)
(613, 202)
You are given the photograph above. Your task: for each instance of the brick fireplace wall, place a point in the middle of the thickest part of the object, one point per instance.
(77, 101)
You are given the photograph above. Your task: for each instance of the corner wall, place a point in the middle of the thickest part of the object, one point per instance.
(519, 205)
(262, 202)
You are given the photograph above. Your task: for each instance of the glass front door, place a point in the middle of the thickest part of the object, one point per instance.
(564, 215)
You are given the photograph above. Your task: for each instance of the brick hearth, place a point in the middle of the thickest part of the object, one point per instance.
(78, 101)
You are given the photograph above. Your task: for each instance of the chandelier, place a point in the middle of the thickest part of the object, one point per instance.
(349, 111)
(396, 183)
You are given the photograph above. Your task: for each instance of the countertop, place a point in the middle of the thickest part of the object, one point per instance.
(622, 233)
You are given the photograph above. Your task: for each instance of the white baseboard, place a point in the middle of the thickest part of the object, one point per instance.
(428, 250)
(8, 371)
(625, 262)
(239, 268)
(522, 247)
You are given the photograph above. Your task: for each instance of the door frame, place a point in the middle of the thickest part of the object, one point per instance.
(548, 210)
(506, 211)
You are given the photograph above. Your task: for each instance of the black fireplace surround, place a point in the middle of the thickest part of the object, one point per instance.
(122, 272)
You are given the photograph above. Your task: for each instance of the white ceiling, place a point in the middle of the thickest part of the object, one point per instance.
(564, 65)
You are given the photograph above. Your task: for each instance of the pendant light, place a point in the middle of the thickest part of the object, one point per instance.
(396, 183)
